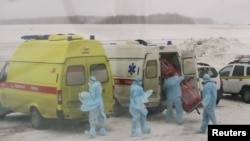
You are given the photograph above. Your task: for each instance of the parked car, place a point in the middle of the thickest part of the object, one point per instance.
(236, 78)
(204, 68)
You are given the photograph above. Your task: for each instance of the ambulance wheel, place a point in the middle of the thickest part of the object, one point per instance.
(36, 119)
(2, 113)
(118, 110)
(2, 117)
(156, 110)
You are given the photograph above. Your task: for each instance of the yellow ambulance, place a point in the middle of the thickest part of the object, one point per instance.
(47, 72)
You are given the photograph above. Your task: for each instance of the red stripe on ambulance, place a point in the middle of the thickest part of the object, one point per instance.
(122, 81)
(29, 87)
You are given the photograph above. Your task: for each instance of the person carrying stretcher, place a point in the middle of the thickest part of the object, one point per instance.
(172, 90)
(190, 97)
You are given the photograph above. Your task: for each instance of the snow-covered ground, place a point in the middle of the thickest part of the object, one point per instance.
(214, 44)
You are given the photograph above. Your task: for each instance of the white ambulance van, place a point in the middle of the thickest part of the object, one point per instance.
(132, 58)
(47, 72)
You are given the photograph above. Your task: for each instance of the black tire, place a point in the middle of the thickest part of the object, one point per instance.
(217, 101)
(246, 95)
(3, 112)
(219, 96)
(36, 119)
(156, 110)
(2, 117)
(118, 110)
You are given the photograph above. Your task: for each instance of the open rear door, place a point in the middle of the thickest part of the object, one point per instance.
(191, 97)
(188, 60)
(151, 76)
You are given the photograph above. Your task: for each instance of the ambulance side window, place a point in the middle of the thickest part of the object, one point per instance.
(151, 69)
(75, 75)
(100, 72)
(3, 73)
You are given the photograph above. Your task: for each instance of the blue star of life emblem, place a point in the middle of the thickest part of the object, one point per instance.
(131, 68)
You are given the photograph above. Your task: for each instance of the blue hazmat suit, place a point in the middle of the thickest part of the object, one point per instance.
(92, 101)
(209, 96)
(172, 90)
(137, 108)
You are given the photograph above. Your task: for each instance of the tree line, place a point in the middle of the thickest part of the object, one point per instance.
(119, 19)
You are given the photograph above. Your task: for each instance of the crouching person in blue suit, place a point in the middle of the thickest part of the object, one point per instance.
(137, 108)
(92, 102)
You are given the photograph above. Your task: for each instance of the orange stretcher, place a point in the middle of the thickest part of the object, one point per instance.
(191, 98)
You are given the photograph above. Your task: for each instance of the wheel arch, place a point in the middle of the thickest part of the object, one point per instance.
(243, 88)
(32, 107)
(245, 94)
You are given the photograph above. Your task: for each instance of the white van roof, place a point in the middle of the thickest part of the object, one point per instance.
(133, 49)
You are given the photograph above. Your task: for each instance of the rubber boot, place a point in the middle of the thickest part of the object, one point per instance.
(134, 133)
(146, 129)
(91, 133)
(103, 132)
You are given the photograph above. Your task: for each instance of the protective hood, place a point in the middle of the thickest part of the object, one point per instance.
(138, 78)
(206, 77)
(92, 79)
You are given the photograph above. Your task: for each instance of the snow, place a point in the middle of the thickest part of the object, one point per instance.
(215, 51)
(214, 44)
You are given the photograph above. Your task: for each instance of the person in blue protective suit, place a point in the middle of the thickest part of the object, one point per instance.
(209, 96)
(172, 88)
(137, 108)
(92, 101)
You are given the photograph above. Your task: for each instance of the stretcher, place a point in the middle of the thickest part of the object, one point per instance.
(191, 98)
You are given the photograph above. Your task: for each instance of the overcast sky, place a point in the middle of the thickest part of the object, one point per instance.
(222, 11)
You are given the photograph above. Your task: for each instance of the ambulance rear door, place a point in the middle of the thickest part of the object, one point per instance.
(151, 76)
(75, 81)
(189, 68)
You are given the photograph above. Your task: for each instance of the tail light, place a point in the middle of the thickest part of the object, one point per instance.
(59, 97)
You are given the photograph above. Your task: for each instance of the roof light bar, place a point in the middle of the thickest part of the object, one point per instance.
(35, 37)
